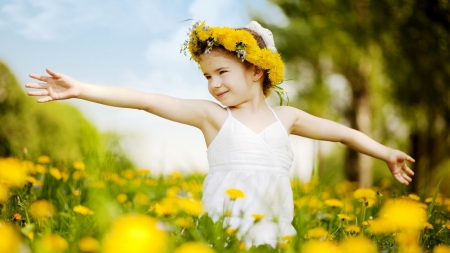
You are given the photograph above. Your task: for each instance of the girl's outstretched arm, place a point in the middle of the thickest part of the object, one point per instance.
(309, 126)
(58, 86)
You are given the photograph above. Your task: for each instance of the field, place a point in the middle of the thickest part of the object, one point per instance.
(47, 207)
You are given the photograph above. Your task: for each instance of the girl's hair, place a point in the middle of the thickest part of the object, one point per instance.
(203, 45)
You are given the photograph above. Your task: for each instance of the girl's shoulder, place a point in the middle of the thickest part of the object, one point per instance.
(287, 114)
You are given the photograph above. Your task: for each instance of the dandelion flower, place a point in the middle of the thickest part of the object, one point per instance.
(319, 246)
(10, 239)
(317, 233)
(83, 210)
(121, 198)
(345, 217)
(12, 172)
(352, 229)
(358, 244)
(257, 217)
(365, 194)
(52, 243)
(141, 199)
(55, 173)
(334, 203)
(43, 159)
(88, 244)
(42, 209)
(79, 165)
(441, 249)
(196, 247)
(4, 193)
(184, 222)
(135, 233)
(234, 193)
(191, 206)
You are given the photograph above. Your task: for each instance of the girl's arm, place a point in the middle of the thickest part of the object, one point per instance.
(59, 86)
(309, 126)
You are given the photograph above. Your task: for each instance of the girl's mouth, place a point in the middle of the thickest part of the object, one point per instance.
(221, 94)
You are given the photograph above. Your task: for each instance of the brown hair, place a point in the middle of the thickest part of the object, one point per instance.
(203, 45)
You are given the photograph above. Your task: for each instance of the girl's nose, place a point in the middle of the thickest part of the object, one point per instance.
(216, 83)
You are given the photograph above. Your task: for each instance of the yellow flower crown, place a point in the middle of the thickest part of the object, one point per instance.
(239, 41)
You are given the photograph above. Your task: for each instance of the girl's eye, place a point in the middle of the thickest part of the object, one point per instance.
(222, 72)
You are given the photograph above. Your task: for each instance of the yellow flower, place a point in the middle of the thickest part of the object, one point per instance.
(121, 198)
(414, 197)
(352, 229)
(317, 232)
(12, 172)
(34, 181)
(10, 239)
(135, 233)
(40, 169)
(166, 207)
(52, 243)
(358, 244)
(76, 192)
(83, 210)
(88, 244)
(231, 231)
(43, 159)
(319, 247)
(142, 172)
(42, 209)
(442, 248)
(55, 173)
(191, 206)
(365, 194)
(311, 202)
(334, 203)
(77, 175)
(141, 199)
(79, 165)
(196, 247)
(234, 193)
(128, 174)
(257, 217)
(345, 217)
(184, 222)
(428, 225)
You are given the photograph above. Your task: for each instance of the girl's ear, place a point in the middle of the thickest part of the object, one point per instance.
(258, 73)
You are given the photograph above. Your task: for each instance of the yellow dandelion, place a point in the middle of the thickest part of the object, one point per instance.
(88, 244)
(42, 209)
(365, 194)
(77, 175)
(12, 172)
(257, 217)
(17, 216)
(52, 243)
(55, 173)
(141, 199)
(83, 210)
(79, 165)
(404, 214)
(191, 206)
(76, 192)
(142, 172)
(442, 248)
(121, 198)
(184, 222)
(166, 207)
(428, 225)
(319, 246)
(358, 244)
(196, 247)
(231, 231)
(43, 159)
(10, 239)
(128, 174)
(352, 229)
(414, 197)
(135, 233)
(345, 217)
(317, 232)
(40, 169)
(234, 193)
(334, 203)
(4, 193)
(311, 202)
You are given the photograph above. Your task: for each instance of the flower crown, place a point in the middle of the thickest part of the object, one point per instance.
(239, 41)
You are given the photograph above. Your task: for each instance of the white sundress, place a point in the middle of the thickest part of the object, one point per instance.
(258, 164)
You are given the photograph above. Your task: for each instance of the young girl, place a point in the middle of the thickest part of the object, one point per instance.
(248, 144)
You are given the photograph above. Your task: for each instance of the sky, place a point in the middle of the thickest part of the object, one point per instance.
(134, 44)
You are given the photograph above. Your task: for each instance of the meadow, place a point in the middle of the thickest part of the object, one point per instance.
(48, 207)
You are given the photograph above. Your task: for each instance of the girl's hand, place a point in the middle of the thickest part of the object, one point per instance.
(398, 167)
(55, 87)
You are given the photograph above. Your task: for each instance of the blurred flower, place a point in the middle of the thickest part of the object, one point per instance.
(166, 207)
(196, 247)
(40, 169)
(315, 246)
(34, 181)
(172, 191)
(65, 176)
(414, 197)
(10, 239)
(52, 243)
(191, 206)
(43, 159)
(257, 217)
(334, 203)
(83, 210)
(231, 231)
(79, 165)
(352, 229)
(311, 202)
(128, 174)
(345, 217)
(438, 201)
(76, 192)
(88, 244)
(17, 216)
(442, 248)
(12, 172)
(317, 233)
(358, 244)
(121, 198)
(77, 175)
(42, 209)
(141, 199)
(184, 222)
(142, 172)
(428, 225)
(135, 233)
(365, 194)
(55, 173)
(234, 193)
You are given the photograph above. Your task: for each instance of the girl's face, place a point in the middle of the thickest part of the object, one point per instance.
(230, 81)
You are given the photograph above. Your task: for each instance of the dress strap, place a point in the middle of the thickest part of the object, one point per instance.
(274, 114)
(229, 111)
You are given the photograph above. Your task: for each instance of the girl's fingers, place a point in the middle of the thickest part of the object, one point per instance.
(407, 177)
(37, 85)
(53, 74)
(46, 99)
(408, 170)
(38, 93)
(410, 159)
(40, 77)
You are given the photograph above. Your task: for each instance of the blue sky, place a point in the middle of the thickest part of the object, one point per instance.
(127, 43)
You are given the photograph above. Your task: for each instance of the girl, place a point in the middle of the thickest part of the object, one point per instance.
(248, 151)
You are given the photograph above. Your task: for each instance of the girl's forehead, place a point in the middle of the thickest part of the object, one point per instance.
(218, 58)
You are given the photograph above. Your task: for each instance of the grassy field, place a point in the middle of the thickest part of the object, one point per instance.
(47, 207)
